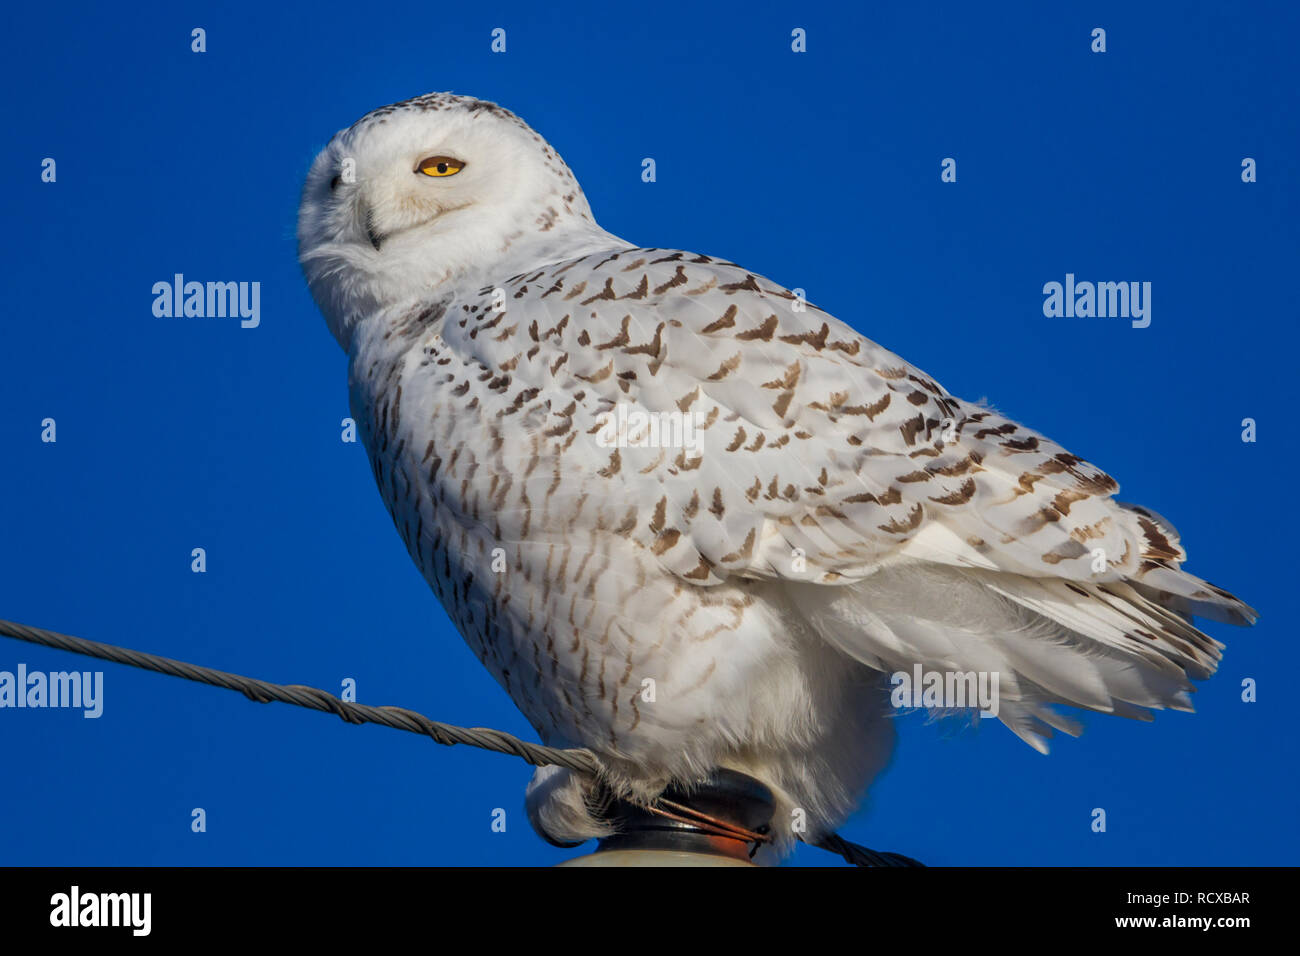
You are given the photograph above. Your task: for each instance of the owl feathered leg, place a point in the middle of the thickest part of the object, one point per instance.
(561, 808)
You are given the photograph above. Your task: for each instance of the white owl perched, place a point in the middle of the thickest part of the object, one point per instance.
(836, 515)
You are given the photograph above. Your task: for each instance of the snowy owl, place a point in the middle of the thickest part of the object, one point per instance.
(690, 521)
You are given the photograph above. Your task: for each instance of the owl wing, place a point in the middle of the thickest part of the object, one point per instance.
(744, 431)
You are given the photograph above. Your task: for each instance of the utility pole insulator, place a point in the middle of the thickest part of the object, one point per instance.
(718, 821)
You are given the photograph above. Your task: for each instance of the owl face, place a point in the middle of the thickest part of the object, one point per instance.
(386, 178)
(433, 190)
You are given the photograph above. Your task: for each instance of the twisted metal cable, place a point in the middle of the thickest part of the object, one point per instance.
(399, 718)
(859, 855)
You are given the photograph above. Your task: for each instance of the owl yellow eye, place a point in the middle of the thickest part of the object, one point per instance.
(440, 166)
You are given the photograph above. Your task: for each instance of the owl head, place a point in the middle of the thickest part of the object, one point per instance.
(430, 192)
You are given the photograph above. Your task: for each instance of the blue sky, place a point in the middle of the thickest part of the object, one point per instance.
(820, 170)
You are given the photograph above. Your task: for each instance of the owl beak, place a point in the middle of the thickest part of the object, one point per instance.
(376, 239)
(366, 215)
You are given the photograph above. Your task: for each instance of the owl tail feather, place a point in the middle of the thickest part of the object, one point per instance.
(1120, 647)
